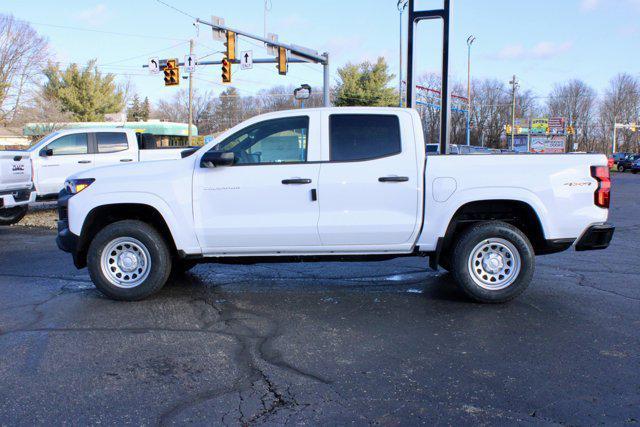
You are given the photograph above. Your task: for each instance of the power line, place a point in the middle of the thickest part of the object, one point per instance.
(91, 30)
(176, 9)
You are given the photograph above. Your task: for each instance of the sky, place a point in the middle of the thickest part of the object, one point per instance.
(542, 42)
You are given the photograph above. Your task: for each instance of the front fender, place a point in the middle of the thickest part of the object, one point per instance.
(180, 223)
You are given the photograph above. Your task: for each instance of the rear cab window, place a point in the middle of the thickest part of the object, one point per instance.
(360, 137)
(111, 142)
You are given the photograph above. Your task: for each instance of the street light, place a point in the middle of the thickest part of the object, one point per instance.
(470, 41)
(402, 5)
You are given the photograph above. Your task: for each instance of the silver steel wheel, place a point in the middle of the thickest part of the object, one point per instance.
(125, 262)
(494, 264)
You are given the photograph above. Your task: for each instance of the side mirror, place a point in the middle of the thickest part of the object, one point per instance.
(46, 152)
(213, 159)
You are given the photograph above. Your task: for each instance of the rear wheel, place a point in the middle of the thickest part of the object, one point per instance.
(13, 215)
(493, 262)
(129, 260)
(621, 168)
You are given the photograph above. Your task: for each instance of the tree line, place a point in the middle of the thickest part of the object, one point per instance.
(33, 88)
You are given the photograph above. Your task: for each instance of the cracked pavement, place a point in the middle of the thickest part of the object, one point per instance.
(323, 343)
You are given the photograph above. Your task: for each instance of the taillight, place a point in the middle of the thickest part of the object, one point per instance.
(602, 195)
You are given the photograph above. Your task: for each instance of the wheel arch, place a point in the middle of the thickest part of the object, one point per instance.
(101, 216)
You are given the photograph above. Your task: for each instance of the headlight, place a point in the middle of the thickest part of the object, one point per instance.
(74, 186)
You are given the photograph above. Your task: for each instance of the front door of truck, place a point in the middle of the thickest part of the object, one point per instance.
(59, 159)
(265, 200)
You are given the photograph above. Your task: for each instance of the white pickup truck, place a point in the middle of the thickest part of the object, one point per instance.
(66, 152)
(16, 188)
(333, 184)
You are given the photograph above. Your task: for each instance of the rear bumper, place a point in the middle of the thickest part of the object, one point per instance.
(596, 237)
(10, 199)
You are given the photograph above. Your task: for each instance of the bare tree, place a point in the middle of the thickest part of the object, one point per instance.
(621, 104)
(23, 54)
(575, 101)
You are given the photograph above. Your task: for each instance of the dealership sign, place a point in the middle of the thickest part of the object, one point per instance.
(548, 145)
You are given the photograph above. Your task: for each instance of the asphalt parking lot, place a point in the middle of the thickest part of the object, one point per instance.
(390, 343)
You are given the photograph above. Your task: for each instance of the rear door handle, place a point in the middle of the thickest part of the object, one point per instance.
(126, 160)
(84, 161)
(291, 181)
(393, 179)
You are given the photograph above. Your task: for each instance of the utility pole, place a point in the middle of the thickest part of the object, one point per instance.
(191, 46)
(402, 5)
(470, 41)
(514, 84)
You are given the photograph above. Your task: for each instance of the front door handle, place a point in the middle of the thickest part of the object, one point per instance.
(126, 160)
(84, 161)
(291, 181)
(393, 179)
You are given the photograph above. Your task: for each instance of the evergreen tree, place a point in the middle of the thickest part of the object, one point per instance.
(365, 84)
(134, 111)
(145, 110)
(85, 93)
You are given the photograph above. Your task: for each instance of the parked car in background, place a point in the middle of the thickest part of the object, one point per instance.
(635, 167)
(66, 152)
(333, 184)
(619, 156)
(16, 188)
(626, 163)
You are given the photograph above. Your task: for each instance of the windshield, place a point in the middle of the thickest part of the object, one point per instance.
(43, 141)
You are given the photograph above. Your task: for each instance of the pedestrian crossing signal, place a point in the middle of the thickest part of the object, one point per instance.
(171, 73)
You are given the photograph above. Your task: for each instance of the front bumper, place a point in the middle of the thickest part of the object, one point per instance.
(598, 236)
(11, 199)
(66, 240)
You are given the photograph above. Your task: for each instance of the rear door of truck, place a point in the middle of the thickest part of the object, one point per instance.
(114, 148)
(370, 187)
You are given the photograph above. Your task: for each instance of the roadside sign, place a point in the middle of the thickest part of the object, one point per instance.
(246, 60)
(154, 65)
(271, 49)
(219, 35)
(303, 92)
(556, 125)
(190, 63)
(539, 125)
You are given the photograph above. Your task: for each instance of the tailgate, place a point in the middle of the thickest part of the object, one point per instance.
(15, 170)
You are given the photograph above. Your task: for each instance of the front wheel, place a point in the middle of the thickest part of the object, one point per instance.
(129, 260)
(493, 262)
(9, 216)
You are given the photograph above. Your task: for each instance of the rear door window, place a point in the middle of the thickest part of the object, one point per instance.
(354, 137)
(111, 142)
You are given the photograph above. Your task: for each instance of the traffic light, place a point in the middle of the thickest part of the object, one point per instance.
(226, 71)
(231, 46)
(518, 130)
(282, 61)
(171, 73)
(508, 129)
(634, 127)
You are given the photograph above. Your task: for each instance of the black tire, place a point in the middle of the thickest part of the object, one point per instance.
(621, 168)
(9, 216)
(469, 252)
(157, 270)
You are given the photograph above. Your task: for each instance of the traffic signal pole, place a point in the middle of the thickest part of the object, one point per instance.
(307, 55)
